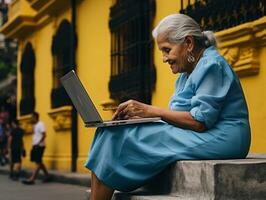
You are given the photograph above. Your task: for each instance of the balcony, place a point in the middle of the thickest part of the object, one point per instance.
(49, 7)
(20, 19)
(44, 7)
(38, 4)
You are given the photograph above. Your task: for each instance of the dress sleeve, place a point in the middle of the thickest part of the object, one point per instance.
(211, 85)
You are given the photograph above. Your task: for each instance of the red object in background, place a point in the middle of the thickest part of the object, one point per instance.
(4, 116)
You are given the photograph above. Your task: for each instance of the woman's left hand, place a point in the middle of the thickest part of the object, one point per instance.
(133, 109)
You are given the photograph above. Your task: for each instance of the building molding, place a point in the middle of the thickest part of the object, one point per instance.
(109, 105)
(25, 16)
(18, 27)
(20, 20)
(240, 46)
(61, 118)
(49, 7)
(260, 31)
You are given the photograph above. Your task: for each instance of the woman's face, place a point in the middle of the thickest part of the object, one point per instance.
(174, 54)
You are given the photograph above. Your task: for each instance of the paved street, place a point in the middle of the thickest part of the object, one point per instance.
(15, 190)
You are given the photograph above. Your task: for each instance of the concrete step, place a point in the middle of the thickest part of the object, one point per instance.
(124, 196)
(137, 195)
(213, 179)
(206, 180)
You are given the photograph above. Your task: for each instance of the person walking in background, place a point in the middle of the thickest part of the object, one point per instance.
(5, 132)
(38, 147)
(16, 148)
(4, 115)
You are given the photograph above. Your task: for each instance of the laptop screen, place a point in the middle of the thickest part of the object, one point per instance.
(80, 98)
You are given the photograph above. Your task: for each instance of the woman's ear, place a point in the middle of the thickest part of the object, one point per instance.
(189, 42)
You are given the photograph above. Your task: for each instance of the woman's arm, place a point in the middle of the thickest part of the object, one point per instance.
(134, 109)
(180, 119)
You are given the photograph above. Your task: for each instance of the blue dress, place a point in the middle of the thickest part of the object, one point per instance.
(126, 157)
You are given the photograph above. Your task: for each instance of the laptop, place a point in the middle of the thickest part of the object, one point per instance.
(86, 108)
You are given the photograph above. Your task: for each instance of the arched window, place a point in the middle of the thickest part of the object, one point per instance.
(132, 70)
(62, 62)
(27, 66)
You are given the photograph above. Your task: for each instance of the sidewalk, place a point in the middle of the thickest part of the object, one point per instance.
(14, 190)
(59, 177)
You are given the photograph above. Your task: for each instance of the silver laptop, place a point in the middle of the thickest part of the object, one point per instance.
(86, 108)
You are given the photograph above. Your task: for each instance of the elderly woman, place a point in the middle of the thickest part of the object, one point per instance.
(207, 116)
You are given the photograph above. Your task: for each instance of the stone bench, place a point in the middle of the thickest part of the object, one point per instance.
(206, 179)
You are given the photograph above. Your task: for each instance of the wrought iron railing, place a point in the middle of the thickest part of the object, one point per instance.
(27, 67)
(27, 105)
(59, 97)
(61, 51)
(218, 15)
(132, 70)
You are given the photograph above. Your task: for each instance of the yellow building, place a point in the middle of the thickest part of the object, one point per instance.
(109, 45)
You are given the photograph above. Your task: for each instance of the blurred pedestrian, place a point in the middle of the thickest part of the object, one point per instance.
(4, 115)
(38, 142)
(4, 132)
(16, 148)
(2, 145)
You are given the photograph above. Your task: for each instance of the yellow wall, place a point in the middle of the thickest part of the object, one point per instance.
(93, 68)
(58, 149)
(93, 63)
(165, 79)
(255, 92)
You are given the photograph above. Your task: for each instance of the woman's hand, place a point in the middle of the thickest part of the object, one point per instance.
(133, 109)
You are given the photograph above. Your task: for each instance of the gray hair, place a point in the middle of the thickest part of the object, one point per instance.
(178, 26)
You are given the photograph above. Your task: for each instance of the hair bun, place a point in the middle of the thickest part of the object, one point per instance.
(210, 39)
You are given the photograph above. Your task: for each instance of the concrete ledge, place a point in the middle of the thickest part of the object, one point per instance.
(191, 180)
(123, 196)
(205, 180)
(213, 179)
(137, 195)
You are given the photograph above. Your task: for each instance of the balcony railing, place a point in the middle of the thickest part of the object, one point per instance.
(218, 15)
(27, 106)
(133, 74)
(59, 98)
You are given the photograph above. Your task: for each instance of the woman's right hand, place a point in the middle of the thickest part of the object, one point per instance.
(134, 109)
